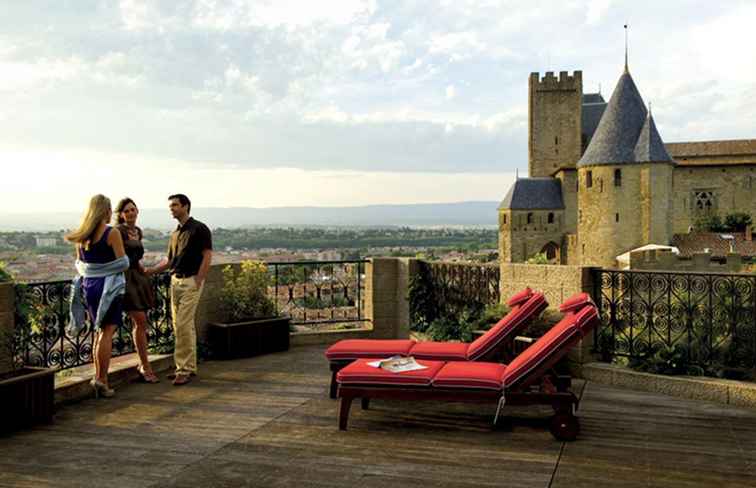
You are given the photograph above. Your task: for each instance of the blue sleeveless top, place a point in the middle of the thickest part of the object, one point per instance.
(100, 251)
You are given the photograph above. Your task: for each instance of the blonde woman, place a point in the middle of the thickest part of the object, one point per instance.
(100, 261)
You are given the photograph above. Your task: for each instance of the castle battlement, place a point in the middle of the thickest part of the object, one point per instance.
(550, 82)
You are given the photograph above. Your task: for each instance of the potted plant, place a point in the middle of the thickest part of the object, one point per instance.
(250, 325)
(27, 393)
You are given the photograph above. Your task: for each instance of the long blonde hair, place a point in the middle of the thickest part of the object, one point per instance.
(98, 212)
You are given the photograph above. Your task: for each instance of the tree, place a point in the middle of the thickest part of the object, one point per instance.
(737, 221)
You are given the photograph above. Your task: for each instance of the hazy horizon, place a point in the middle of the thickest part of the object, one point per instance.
(268, 104)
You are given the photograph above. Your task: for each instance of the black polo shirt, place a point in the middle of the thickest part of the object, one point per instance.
(186, 246)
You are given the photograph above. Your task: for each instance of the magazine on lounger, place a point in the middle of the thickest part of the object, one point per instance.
(398, 364)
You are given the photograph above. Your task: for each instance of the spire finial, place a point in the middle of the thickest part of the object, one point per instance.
(649, 108)
(517, 173)
(599, 88)
(626, 70)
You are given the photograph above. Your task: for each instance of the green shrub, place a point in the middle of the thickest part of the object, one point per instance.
(245, 292)
(490, 315)
(539, 258)
(737, 221)
(5, 275)
(451, 329)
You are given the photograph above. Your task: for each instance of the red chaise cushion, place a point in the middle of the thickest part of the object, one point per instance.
(554, 343)
(576, 302)
(468, 374)
(369, 348)
(587, 319)
(520, 297)
(508, 327)
(360, 373)
(440, 351)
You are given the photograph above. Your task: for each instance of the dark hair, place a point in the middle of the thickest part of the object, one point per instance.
(183, 200)
(119, 208)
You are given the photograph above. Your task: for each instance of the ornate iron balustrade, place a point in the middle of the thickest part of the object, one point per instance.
(709, 318)
(442, 289)
(42, 315)
(316, 294)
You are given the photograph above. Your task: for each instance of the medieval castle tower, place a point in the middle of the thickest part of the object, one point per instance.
(602, 181)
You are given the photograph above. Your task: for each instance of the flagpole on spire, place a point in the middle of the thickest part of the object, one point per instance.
(626, 70)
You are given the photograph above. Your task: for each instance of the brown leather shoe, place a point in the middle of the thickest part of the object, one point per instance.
(181, 379)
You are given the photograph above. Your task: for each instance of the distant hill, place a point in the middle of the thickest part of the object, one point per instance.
(431, 214)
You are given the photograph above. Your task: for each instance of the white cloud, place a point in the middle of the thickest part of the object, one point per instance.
(451, 92)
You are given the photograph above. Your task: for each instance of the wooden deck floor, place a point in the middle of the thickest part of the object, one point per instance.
(267, 421)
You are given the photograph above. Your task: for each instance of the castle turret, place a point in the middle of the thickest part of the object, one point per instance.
(531, 220)
(625, 160)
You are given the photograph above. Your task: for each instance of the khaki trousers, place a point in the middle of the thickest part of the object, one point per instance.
(185, 296)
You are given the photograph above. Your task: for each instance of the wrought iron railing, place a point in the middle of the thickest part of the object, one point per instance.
(442, 289)
(42, 314)
(703, 319)
(316, 294)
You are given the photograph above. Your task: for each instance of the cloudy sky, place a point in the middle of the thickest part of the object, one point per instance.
(333, 102)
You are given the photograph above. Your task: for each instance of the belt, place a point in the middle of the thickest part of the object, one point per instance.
(182, 275)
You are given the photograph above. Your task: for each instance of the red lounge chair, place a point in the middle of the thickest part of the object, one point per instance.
(525, 306)
(524, 381)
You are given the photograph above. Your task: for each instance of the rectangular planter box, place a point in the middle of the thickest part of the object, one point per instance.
(26, 398)
(245, 339)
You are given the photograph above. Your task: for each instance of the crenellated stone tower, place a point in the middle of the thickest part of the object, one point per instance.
(554, 122)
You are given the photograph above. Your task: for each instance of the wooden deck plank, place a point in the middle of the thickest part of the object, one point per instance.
(267, 421)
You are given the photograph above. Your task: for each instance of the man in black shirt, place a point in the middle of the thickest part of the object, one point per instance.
(189, 255)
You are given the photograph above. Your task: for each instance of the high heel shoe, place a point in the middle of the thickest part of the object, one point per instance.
(101, 389)
(150, 377)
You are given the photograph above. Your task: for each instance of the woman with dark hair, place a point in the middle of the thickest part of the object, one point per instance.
(139, 297)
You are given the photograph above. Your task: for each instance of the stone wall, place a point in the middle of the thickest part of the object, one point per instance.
(614, 219)
(386, 307)
(7, 308)
(734, 188)
(520, 240)
(664, 259)
(557, 282)
(554, 124)
(569, 179)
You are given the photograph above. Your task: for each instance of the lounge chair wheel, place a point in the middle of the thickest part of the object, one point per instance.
(564, 426)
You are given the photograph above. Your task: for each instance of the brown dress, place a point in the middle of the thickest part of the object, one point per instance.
(139, 294)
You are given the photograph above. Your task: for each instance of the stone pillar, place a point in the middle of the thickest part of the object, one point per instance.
(734, 262)
(208, 308)
(7, 324)
(386, 304)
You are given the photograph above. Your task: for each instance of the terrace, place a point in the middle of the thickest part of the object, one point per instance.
(268, 421)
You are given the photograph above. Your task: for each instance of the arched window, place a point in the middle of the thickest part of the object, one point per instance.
(530, 217)
(617, 177)
(551, 218)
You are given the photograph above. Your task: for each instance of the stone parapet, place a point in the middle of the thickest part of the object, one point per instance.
(739, 393)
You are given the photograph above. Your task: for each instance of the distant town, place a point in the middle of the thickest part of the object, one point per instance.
(45, 256)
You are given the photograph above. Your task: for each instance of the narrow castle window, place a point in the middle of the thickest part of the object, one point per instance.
(504, 219)
(616, 217)
(551, 218)
(530, 217)
(588, 179)
(617, 177)
(580, 216)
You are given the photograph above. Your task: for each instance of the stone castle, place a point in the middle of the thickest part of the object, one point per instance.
(602, 181)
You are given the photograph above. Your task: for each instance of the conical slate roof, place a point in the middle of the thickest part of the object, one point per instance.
(534, 193)
(650, 147)
(617, 133)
